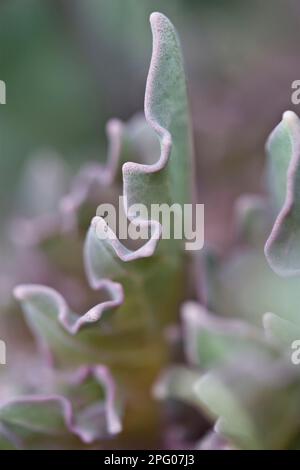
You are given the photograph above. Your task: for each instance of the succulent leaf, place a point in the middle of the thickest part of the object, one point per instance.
(165, 181)
(282, 247)
(211, 340)
(27, 420)
(250, 399)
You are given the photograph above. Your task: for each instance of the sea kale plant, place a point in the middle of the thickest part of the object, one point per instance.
(91, 362)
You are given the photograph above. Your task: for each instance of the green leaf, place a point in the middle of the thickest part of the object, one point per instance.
(256, 403)
(162, 182)
(69, 337)
(130, 338)
(219, 400)
(283, 245)
(86, 409)
(211, 340)
(166, 111)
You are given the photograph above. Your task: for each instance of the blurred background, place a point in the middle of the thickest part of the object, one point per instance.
(70, 65)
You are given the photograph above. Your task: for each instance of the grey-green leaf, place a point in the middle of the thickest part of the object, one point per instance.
(283, 245)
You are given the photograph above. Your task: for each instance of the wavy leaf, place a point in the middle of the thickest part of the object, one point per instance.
(283, 247)
(148, 304)
(63, 334)
(165, 181)
(27, 421)
(134, 335)
(51, 303)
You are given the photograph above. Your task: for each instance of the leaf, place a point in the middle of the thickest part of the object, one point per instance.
(165, 181)
(131, 339)
(52, 304)
(283, 247)
(71, 339)
(148, 304)
(166, 107)
(54, 324)
(25, 421)
(284, 332)
(211, 340)
(232, 423)
(241, 284)
(246, 393)
(256, 403)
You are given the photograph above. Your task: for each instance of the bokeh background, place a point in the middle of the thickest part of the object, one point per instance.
(70, 65)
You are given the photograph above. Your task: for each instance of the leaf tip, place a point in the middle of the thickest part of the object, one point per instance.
(20, 292)
(289, 117)
(156, 17)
